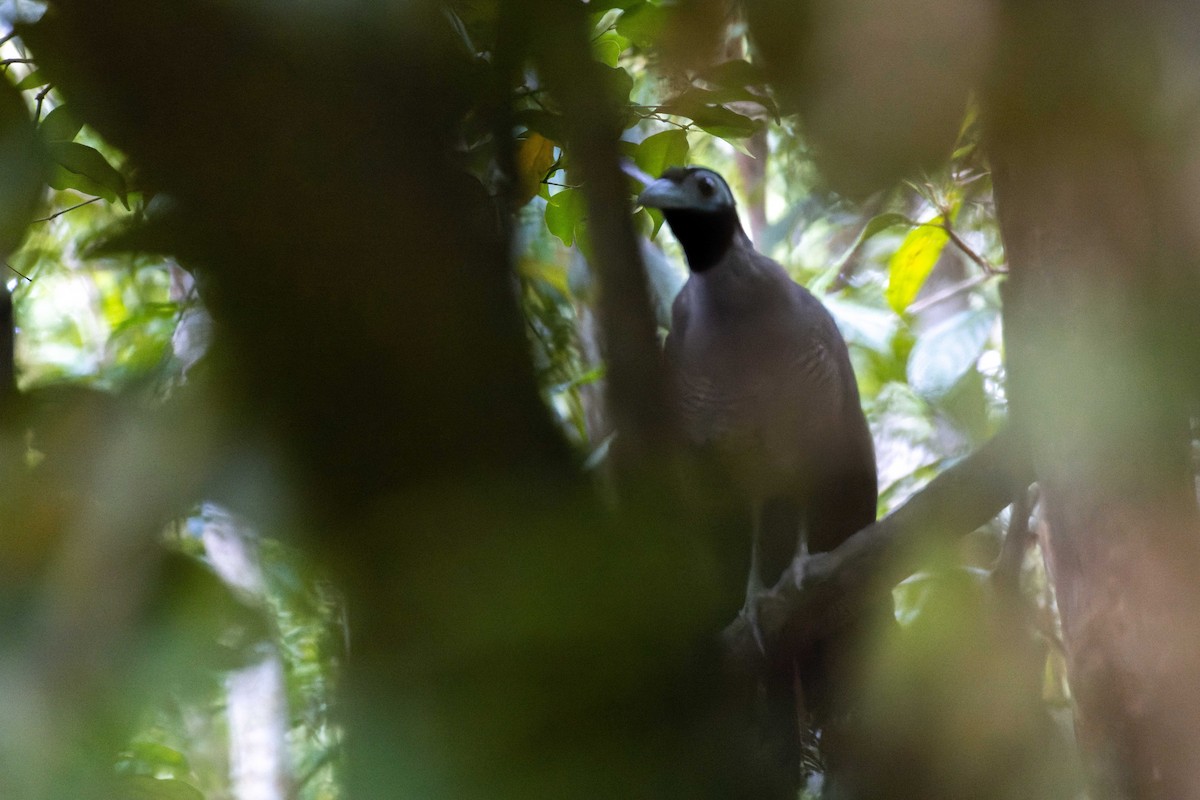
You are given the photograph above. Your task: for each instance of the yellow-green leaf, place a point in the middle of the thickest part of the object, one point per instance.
(565, 213)
(662, 150)
(913, 261)
(535, 156)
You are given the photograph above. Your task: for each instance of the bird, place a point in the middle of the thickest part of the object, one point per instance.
(764, 389)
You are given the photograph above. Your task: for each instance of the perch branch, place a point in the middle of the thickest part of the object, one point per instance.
(820, 594)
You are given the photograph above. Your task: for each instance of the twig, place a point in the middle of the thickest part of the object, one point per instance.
(57, 214)
(40, 97)
(947, 293)
(8, 62)
(980, 261)
(23, 275)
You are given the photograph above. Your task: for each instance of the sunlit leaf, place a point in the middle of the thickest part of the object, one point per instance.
(63, 179)
(87, 161)
(32, 81)
(911, 264)
(662, 150)
(22, 169)
(943, 355)
(535, 156)
(60, 125)
(157, 754)
(608, 47)
(552, 273)
(564, 212)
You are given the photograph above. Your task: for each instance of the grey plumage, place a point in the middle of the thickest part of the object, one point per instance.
(765, 391)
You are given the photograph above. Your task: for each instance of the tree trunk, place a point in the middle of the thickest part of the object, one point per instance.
(1095, 361)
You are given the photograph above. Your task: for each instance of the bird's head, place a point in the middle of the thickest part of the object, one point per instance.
(699, 207)
(689, 189)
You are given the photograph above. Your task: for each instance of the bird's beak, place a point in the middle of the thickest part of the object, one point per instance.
(663, 193)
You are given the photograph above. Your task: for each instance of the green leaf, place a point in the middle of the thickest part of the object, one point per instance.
(876, 224)
(565, 212)
(911, 264)
(63, 180)
(735, 73)
(620, 85)
(158, 754)
(945, 353)
(715, 119)
(60, 125)
(600, 5)
(32, 81)
(23, 168)
(725, 124)
(608, 48)
(930, 595)
(642, 24)
(143, 787)
(662, 150)
(87, 161)
(547, 124)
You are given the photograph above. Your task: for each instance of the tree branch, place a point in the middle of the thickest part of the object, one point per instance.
(820, 594)
(636, 384)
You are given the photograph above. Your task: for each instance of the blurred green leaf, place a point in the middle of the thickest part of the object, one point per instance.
(87, 161)
(142, 787)
(63, 180)
(32, 81)
(642, 24)
(60, 125)
(608, 47)
(875, 225)
(737, 72)
(146, 757)
(715, 119)
(564, 213)
(22, 169)
(543, 122)
(911, 264)
(662, 150)
(943, 355)
(599, 5)
(620, 84)
(928, 593)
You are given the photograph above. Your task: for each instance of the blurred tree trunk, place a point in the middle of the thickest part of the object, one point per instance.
(1097, 319)
(256, 697)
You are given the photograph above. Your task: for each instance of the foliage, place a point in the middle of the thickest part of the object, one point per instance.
(910, 273)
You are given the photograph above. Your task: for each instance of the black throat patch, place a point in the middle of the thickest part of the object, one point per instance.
(705, 235)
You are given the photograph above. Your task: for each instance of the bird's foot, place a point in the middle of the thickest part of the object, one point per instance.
(749, 613)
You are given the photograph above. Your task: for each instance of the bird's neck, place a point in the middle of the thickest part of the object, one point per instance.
(706, 236)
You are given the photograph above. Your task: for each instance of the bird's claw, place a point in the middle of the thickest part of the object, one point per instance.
(751, 618)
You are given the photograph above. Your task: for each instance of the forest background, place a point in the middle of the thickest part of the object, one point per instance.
(311, 486)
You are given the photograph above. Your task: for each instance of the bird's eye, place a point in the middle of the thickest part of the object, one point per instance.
(706, 186)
